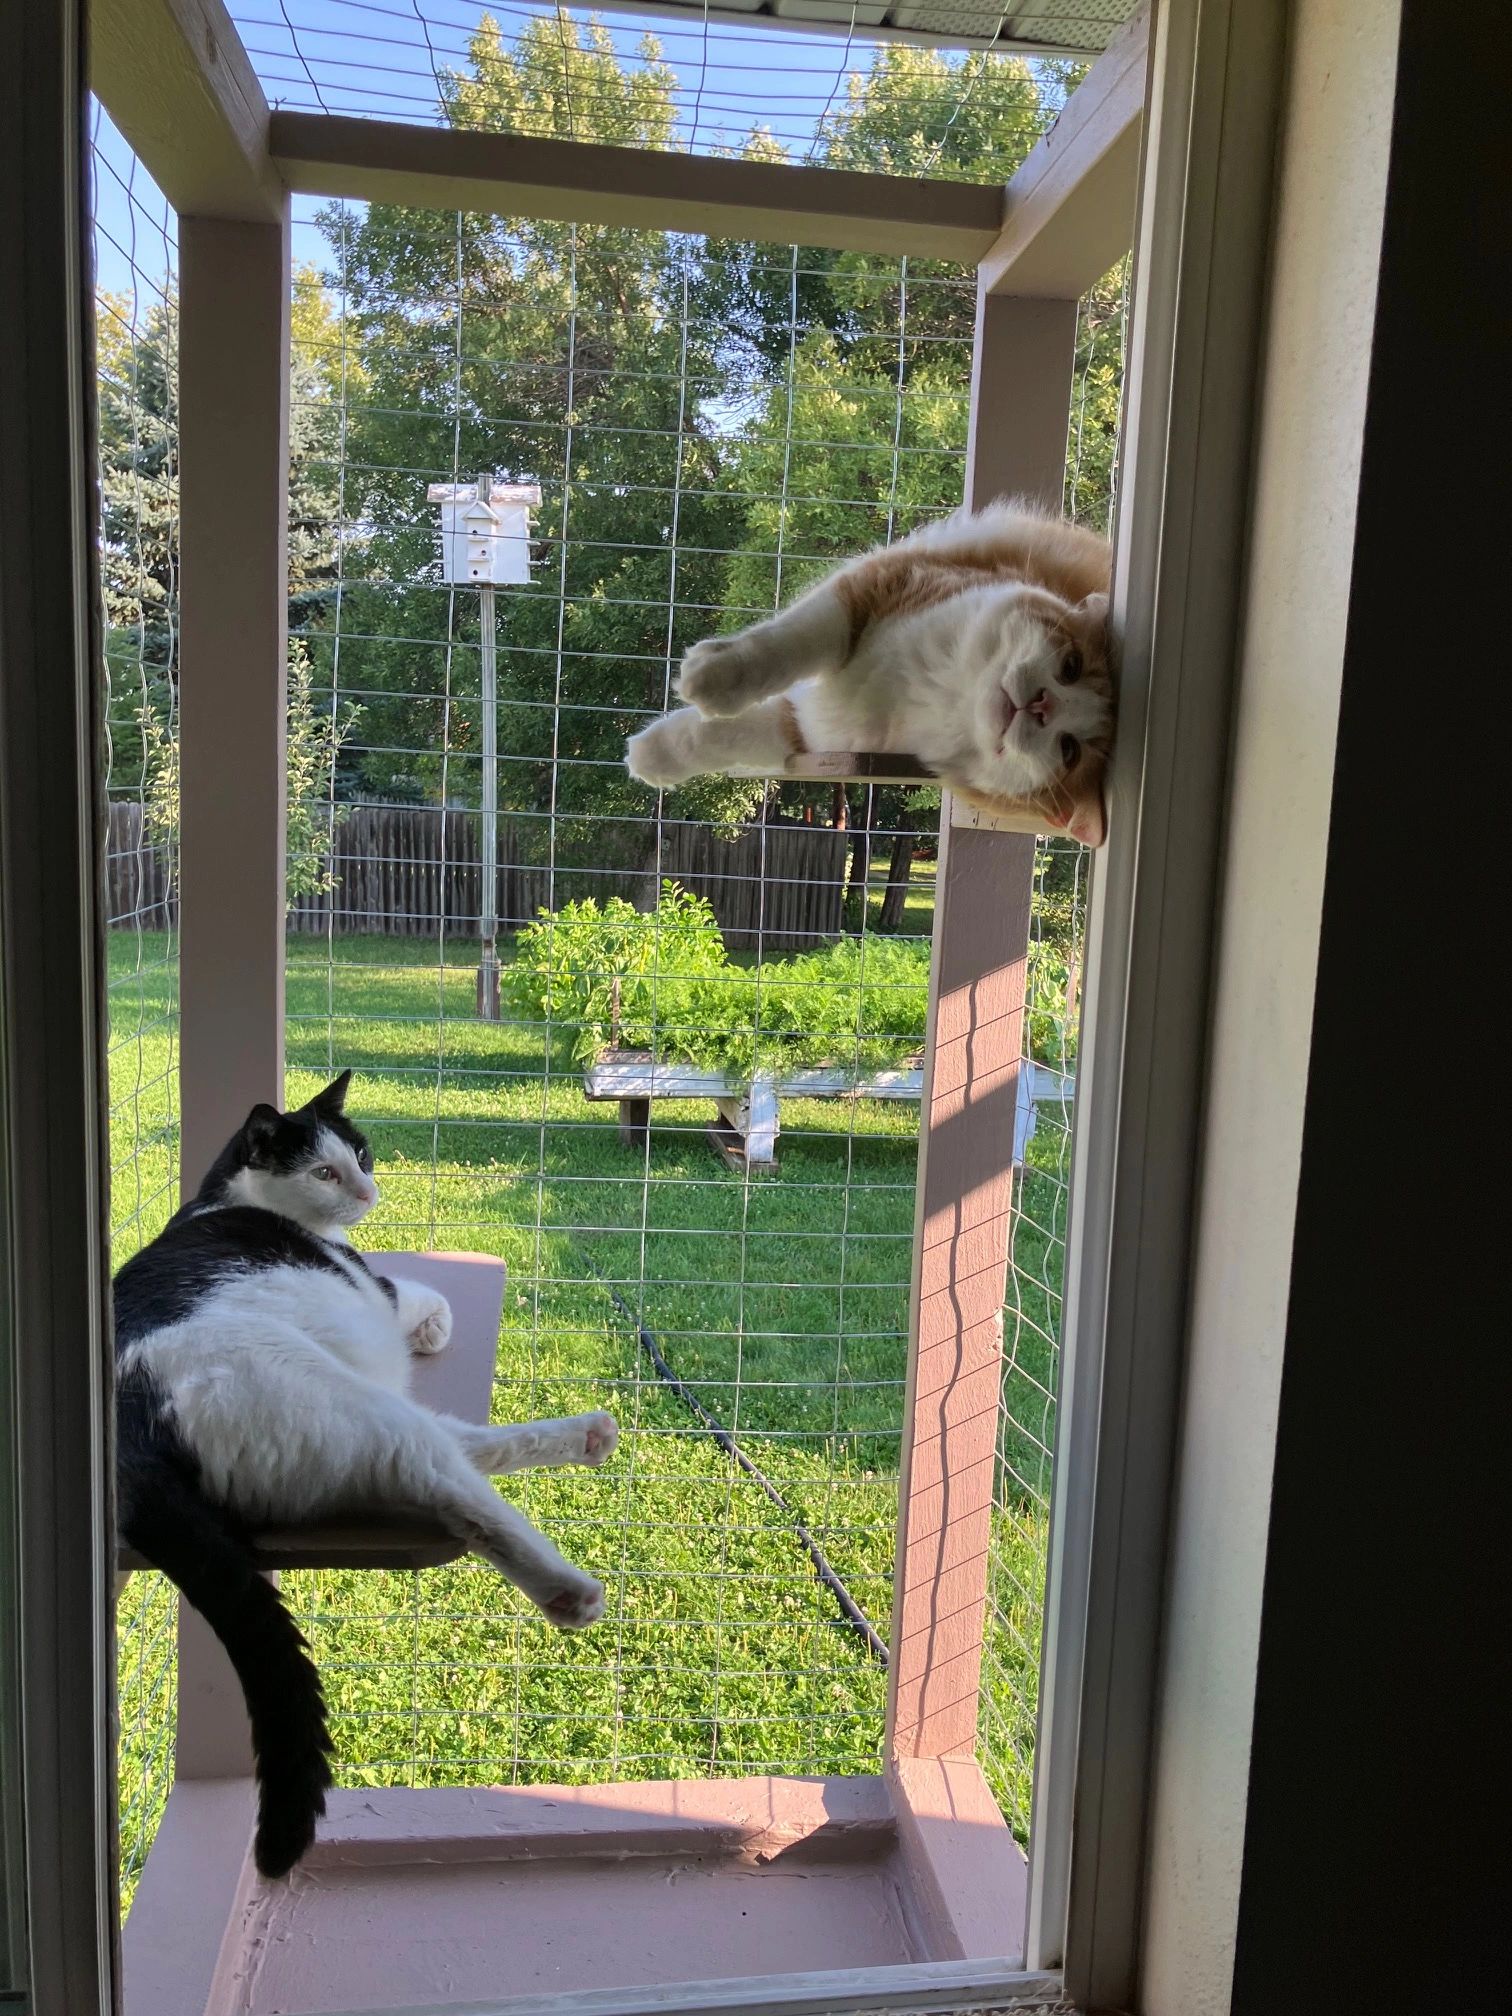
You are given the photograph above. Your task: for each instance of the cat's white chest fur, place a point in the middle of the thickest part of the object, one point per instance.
(903, 694)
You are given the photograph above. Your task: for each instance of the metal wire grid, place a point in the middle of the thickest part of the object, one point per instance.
(1032, 1318)
(724, 83)
(136, 261)
(780, 1299)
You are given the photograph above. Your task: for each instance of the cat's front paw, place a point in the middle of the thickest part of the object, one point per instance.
(600, 1433)
(433, 1332)
(663, 754)
(575, 1603)
(721, 675)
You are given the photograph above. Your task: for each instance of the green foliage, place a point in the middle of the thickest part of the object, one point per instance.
(712, 423)
(610, 975)
(315, 740)
(1096, 402)
(1052, 1029)
(138, 420)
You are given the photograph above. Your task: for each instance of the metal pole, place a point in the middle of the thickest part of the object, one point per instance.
(488, 965)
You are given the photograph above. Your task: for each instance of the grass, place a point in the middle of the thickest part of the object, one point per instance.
(783, 1298)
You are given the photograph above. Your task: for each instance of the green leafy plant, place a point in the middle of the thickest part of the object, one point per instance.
(608, 975)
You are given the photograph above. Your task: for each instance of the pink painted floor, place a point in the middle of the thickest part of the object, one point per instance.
(430, 1898)
(384, 1938)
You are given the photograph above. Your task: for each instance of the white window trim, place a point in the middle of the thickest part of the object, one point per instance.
(1201, 257)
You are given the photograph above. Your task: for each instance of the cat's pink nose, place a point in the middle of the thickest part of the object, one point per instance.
(1040, 706)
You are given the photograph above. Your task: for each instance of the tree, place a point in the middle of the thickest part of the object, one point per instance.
(137, 404)
(562, 354)
(712, 424)
(138, 424)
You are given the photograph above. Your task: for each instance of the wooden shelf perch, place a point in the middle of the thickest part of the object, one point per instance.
(842, 766)
(860, 766)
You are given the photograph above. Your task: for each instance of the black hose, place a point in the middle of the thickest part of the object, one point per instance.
(850, 1609)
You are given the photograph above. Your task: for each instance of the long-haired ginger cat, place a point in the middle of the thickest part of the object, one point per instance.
(977, 645)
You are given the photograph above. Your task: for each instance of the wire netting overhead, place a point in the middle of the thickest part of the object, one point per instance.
(683, 80)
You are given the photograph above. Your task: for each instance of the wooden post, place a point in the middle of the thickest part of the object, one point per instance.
(233, 489)
(1021, 389)
(233, 429)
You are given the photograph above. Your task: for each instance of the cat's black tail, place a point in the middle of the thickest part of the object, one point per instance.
(170, 1522)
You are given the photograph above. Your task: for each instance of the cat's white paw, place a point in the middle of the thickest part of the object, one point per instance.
(600, 1433)
(433, 1332)
(662, 755)
(574, 1603)
(721, 675)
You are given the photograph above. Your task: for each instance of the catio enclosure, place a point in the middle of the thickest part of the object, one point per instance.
(813, 1259)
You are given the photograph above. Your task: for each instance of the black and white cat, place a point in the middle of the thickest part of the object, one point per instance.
(262, 1369)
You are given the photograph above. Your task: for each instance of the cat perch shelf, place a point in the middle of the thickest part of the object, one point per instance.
(841, 766)
(854, 766)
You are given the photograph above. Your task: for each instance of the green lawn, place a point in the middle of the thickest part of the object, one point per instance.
(782, 1297)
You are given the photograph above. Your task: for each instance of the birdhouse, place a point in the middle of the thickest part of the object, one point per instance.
(485, 532)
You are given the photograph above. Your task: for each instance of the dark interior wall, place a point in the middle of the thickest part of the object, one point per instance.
(1376, 1823)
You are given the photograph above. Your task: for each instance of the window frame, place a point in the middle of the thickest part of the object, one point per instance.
(1199, 271)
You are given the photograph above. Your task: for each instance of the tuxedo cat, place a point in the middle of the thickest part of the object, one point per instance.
(978, 646)
(262, 1369)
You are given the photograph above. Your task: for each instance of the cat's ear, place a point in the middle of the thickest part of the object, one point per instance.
(333, 1099)
(259, 1132)
(1093, 609)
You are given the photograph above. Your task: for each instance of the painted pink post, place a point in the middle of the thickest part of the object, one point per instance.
(233, 423)
(1020, 398)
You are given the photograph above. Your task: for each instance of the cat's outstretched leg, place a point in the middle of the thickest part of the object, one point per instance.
(686, 744)
(432, 1471)
(424, 1316)
(537, 1445)
(728, 675)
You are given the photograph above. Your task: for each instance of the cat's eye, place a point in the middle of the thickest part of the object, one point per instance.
(324, 1172)
(365, 1161)
(1071, 670)
(1070, 751)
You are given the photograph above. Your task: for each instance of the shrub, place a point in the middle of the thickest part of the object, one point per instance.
(610, 975)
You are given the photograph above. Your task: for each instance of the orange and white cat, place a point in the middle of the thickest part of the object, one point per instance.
(977, 645)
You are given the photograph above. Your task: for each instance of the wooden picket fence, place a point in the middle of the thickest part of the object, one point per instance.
(777, 888)
(139, 888)
(414, 871)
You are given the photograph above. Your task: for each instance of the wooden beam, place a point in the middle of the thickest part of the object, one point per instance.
(1069, 214)
(233, 422)
(582, 182)
(973, 1050)
(174, 77)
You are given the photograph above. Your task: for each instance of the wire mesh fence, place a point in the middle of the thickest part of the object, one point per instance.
(136, 350)
(710, 425)
(1009, 1701)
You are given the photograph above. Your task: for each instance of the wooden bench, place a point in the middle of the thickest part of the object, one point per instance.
(747, 1123)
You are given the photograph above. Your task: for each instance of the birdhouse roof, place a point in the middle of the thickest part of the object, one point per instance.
(502, 493)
